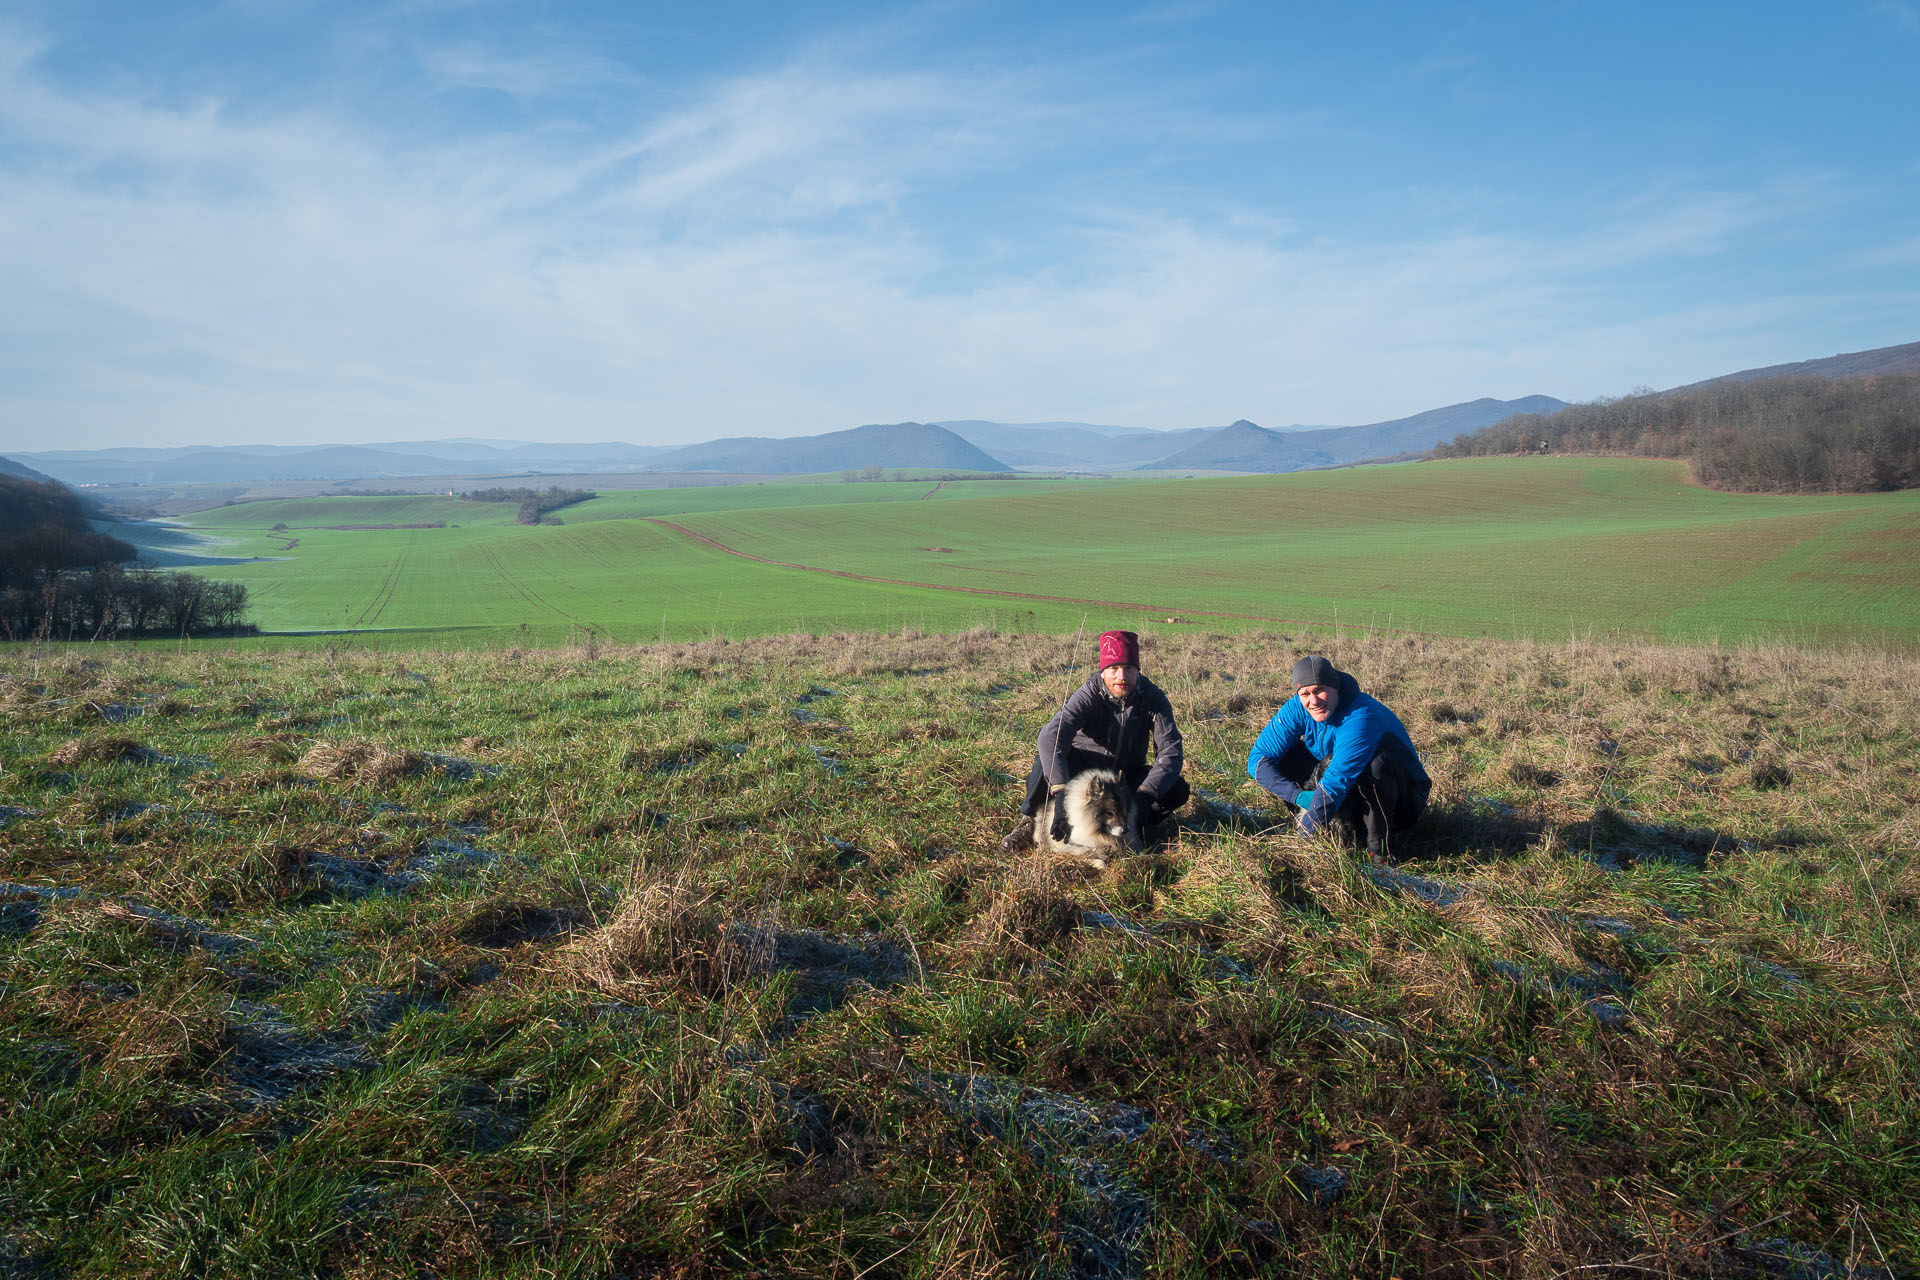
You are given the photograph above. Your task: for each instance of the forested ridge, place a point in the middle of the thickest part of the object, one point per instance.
(1769, 435)
(60, 577)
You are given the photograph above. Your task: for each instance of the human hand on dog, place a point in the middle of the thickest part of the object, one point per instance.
(1060, 828)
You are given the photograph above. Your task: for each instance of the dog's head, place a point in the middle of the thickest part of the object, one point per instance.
(1111, 806)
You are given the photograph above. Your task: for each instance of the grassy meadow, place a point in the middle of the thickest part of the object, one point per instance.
(701, 959)
(1540, 548)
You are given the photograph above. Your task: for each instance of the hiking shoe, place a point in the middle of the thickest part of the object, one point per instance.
(1020, 839)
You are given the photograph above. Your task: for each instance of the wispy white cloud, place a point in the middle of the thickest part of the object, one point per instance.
(1176, 12)
(1446, 65)
(1900, 253)
(1902, 14)
(754, 258)
(474, 66)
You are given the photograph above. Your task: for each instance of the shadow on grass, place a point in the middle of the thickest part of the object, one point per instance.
(1478, 830)
(827, 970)
(1617, 840)
(1489, 831)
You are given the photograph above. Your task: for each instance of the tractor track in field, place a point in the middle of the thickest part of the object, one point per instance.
(1146, 607)
(383, 594)
(530, 596)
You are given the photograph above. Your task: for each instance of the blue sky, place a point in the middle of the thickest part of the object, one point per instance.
(273, 220)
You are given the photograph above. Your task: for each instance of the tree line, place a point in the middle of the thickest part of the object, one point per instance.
(62, 579)
(1768, 435)
(534, 503)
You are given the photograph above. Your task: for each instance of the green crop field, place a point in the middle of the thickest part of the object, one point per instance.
(1511, 547)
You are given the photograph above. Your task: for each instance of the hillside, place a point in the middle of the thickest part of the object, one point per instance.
(703, 961)
(64, 576)
(1853, 364)
(19, 470)
(905, 444)
(1816, 434)
(1418, 432)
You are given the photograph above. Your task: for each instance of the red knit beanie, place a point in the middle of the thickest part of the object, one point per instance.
(1119, 649)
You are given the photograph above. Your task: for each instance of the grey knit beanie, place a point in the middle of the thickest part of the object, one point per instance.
(1315, 670)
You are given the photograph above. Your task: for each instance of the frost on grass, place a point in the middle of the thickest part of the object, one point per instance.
(1431, 892)
(22, 905)
(175, 931)
(1106, 1214)
(343, 876)
(1791, 1260)
(1598, 988)
(268, 1060)
(1226, 811)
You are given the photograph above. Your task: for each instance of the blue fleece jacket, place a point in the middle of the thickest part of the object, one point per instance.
(1347, 740)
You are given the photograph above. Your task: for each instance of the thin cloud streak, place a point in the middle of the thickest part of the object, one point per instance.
(746, 263)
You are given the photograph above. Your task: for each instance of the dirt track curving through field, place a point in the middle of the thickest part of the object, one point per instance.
(1169, 611)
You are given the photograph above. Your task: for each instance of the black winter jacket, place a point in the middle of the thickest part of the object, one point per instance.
(1096, 723)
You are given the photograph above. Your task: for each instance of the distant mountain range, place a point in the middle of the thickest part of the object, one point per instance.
(1246, 447)
(254, 463)
(1072, 446)
(957, 445)
(903, 444)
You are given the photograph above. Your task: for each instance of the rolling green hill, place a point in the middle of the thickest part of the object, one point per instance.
(1530, 547)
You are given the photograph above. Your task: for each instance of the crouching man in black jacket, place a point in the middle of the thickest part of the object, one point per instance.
(1107, 724)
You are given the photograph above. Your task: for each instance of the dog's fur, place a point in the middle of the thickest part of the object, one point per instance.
(1101, 823)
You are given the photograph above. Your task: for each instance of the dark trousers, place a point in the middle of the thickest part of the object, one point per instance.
(1383, 800)
(1081, 761)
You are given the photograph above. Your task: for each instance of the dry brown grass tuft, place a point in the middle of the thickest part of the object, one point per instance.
(358, 760)
(1508, 928)
(1037, 906)
(667, 931)
(97, 751)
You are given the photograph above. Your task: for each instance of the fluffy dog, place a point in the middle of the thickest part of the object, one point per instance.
(1101, 823)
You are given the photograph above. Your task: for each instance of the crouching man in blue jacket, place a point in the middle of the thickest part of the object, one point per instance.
(1370, 784)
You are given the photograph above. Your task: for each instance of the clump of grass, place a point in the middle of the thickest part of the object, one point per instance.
(1037, 906)
(356, 759)
(667, 930)
(103, 750)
